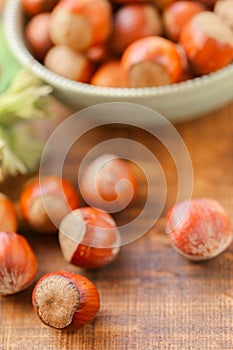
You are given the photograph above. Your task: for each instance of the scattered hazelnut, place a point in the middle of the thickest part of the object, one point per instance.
(108, 183)
(89, 238)
(44, 202)
(199, 229)
(8, 215)
(65, 300)
(18, 264)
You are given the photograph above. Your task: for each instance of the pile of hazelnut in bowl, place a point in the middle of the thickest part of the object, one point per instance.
(150, 52)
(128, 43)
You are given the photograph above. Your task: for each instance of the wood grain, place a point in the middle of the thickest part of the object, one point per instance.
(151, 297)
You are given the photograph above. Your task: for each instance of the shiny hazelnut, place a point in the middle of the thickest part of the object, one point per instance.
(177, 14)
(97, 53)
(68, 63)
(110, 74)
(18, 264)
(108, 183)
(132, 22)
(37, 35)
(89, 238)
(81, 24)
(44, 202)
(152, 61)
(8, 215)
(65, 300)
(208, 42)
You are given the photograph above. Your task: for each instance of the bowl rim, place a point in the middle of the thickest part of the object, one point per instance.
(14, 34)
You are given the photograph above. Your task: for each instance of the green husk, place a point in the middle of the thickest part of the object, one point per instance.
(20, 150)
(23, 98)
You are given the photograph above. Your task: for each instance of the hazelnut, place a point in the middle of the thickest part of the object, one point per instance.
(18, 264)
(97, 53)
(208, 42)
(152, 61)
(108, 183)
(177, 14)
(65, 300)
(89, 238)
(133, 22)
(81, 24)
(37, 35)
(110, 74)
(44, 202)
(8, 215)
(68, 63)
(199, 229)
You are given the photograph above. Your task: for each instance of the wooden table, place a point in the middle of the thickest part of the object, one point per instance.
(151, 297)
